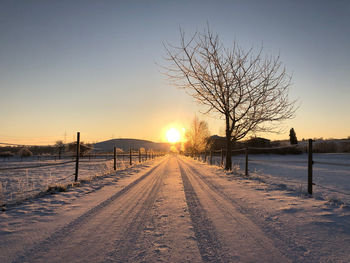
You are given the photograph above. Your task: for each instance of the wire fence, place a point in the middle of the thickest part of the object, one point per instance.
(329, 174)
(25, 177)
(33, 166)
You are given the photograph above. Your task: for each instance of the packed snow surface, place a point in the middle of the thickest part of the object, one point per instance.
(176, 209)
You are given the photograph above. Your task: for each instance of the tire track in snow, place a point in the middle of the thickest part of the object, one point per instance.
(208, 243)
(126, 243)
(69, 228)
(287, 246)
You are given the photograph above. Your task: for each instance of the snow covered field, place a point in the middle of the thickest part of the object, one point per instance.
(175, 209)
(18, 184)
(331, 181)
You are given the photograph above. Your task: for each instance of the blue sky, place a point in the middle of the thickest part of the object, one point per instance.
(92, 66)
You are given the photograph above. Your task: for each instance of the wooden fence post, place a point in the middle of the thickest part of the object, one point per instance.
(205, 156)
(211, 158)
(309, 165)
(246, 161)
(222, 157)
(115, 158)
(139, 155)
(77, 157)
(130, 157)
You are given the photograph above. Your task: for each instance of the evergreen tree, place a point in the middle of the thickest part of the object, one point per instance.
(293, 137)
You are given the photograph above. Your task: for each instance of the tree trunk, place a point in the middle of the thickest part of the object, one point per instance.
(228, 165)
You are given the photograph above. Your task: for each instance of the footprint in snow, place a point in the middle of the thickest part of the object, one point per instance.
(5, 232)
(290, 210)
(148, 229)
(160, 248)
(158, 234)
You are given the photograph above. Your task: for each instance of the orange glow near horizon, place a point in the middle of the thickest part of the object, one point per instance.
(173, 135)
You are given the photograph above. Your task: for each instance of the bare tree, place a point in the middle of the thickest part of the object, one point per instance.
(60, 147)
(247, 89)
(197, 136)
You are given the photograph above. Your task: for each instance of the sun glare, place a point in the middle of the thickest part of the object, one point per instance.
(173, 135)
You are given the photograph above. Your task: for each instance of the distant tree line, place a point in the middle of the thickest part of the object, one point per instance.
(58, 149)
(199, 141)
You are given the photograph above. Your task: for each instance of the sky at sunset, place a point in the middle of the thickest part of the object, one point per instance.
(93, 66)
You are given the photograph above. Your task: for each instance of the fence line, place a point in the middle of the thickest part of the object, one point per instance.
(96, 161)
(64, 178)
(335, 164)
(268, 161)
(310, 162)
(35, 166)
(273, 148)
(22, 184)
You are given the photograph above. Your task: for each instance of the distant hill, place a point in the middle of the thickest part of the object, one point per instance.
(126, 144)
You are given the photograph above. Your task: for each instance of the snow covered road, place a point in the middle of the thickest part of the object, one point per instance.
(224, 234)
(175, 210)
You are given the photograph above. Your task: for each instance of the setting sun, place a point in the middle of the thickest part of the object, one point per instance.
(173, 135)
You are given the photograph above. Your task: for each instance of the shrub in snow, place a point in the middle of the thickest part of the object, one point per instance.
(25, 152)
(84, 148)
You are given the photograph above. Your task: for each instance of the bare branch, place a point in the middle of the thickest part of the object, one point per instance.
(249, 90)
